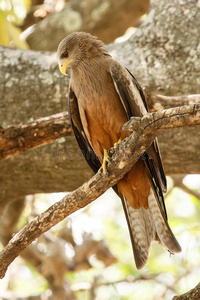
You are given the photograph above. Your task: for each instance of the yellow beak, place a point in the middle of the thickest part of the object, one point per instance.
(63, 67)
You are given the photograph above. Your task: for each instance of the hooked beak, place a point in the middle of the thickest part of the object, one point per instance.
(63, 67)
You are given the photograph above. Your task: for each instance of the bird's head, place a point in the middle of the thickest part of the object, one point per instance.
(77, 48)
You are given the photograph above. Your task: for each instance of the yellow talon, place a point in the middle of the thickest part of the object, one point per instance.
(106, 158)
(116, 144)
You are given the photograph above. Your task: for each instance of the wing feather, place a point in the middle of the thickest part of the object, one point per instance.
(133, 99)
(79, 133)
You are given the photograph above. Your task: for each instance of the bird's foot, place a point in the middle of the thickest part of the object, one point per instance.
(106, 159)
(116, 145)
(113, 149)
(107, 154)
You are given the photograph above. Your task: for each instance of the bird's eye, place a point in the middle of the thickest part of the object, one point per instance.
(65, 54)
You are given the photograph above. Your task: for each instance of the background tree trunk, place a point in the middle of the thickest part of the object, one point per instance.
(164, 53)
(106, 19)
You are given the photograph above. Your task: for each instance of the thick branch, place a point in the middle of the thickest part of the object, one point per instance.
(100, 18)
(158, 102)
(23, 137)
(128, 153)
(168, 37)
(166, 119)
(19, 138)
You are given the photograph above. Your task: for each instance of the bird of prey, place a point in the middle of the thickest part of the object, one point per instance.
(103, 96)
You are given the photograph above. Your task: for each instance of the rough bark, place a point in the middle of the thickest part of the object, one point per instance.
(31, 86)
(158, 102)
(144, 131)
(164, 53)
(106, 19)
(23, 137)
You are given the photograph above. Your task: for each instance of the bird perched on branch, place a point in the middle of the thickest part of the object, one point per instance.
(103, 96)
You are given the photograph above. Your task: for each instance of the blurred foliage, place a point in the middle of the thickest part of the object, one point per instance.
(164, 276)
(12, 14)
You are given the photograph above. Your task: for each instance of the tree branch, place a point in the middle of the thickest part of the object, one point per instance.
(22, 137)
(98, 17)
(178, 182)
(157, 102)
(193, 294)
(129, 151)
(10, 218)
(187, 115)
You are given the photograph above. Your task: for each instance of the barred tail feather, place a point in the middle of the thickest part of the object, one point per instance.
(142, 232)
(145, 226)
(164, 233)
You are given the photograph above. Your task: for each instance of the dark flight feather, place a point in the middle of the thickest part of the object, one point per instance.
(81, 138)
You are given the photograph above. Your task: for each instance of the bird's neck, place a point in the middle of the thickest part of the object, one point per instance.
(89, 69)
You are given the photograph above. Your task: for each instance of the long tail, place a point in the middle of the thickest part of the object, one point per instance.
(147, 225)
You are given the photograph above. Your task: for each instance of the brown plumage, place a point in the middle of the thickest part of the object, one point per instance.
(103, 96)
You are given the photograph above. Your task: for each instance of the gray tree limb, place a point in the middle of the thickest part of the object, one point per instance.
(106, 19)
(164, 53)
(144, 130)
(23, 137)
